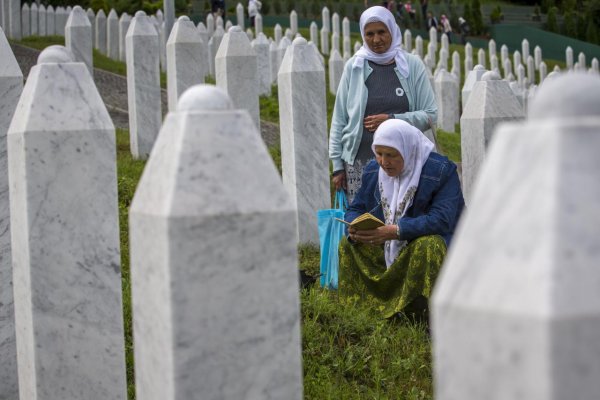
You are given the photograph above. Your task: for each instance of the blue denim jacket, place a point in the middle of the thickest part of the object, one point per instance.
(436, 207)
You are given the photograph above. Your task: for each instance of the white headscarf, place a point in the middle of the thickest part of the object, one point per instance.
(397, 192)
(381, 14)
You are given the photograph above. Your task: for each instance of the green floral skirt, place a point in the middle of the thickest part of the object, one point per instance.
(363, 273)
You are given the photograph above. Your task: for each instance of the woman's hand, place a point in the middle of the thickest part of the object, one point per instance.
(374, 236)
(339, 180)
(372, 122)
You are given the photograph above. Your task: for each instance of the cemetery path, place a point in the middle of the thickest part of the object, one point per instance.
(113, 90)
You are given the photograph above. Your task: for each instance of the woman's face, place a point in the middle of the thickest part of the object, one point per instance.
(389, 159)
(378, 37)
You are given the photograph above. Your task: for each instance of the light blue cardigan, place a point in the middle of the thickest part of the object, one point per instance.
(351, 101)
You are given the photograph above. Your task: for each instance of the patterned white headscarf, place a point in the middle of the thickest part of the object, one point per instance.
(397, 192)
(395, 52)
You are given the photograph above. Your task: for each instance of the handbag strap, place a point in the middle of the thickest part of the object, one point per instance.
(341, 201)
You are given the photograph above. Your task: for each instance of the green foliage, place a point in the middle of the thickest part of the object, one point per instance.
(477, 17)
(289, 5)
(315, 9)
(449, 144)
(269, 106)
(591, 34)
(467, 14)
(496, 15)
(581, 26)
(40, 43)
(551, 23)
(266, 7)
(277, 7)
(350, 352)
(569, 24)
(304, 10)
(356, 11)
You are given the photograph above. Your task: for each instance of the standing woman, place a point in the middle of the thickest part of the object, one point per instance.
(381, 81)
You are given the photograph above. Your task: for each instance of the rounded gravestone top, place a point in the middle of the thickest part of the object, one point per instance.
(77, 8)
(55, 54)
(183, 18)
(479, 67)
(140, 13)
(491, 76)
(204, 97)
(299, 41)
(235, 28)
(567, 95)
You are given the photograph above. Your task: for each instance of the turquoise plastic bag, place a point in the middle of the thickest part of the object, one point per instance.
(330, 234)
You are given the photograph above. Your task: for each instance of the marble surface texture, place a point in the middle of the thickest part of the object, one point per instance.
(258, 24)
(143, 85)
(516, 309)
(11, 86)
(239, 12)
(324, 41)
(216, 39)
(294, 22)
(207, 261)
(447, 98)
(525, 49)
(274, 56)
(336, 67)
(277, 33)
(25, 21)
(210, 24)
(42, 21)
(314, 32)
(34, 19)
(14, 11)
(4, 19)
(569, 57)
(263, 58)
(184, 64)
(50, 21)
(112, 35)
(100, 34)
(92, 18)
(78, 37)
(325, 18)
(236, 72)
(303, 125)
(169, 17)
(65, 238)
(124, 23)
(473, 77)
(408, 40)
(491, 102)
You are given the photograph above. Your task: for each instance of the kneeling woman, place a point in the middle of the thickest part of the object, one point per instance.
(417, 193)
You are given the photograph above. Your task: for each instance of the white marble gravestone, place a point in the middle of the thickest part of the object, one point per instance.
(433, 37)
(507, 69)
(250, 34)
(210, 24)
(419, 46)
(444, 41)
(216, 331)
(335, 23)
(408, 41)
(456, 65)
(314, 32)
(4, 23)
(51, 21)
(282, 48)
(530, 70)
(581, 61)
(143, 84)
(336, 67)
(503, 53)
(101, 32)
(169, 18)
(112, 35)
(124, 23)
(78, 37)
(335, 42)
(525, 49)
(216, 38)
(516, 309)
(240, 17)
(490, 103)
(14, 19)
(25, 21)
(277, 33)
(228, 25)
(92, 18)
(11, 86)
(347, 51)
(258, 24)
(162, 46)
(60, 18)
(543, 71)
(491, 49)
(594, 65)
(537, 56)
(326, 22)
(263, 58)
(42, 20)
(294, 22)
(303, 125)
(274, 58)
(481, 58)
(236, 71)
(324, 41)
(65, 236)
(34, 19)
(184, 64)
(472, 77)
(569, 57)
(346, 27)
(447, 99)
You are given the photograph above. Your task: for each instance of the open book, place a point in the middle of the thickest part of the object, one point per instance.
(364, 222)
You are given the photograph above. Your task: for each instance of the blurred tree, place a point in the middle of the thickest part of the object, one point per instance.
(477, 22)
(569, 24)
(551, 23)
